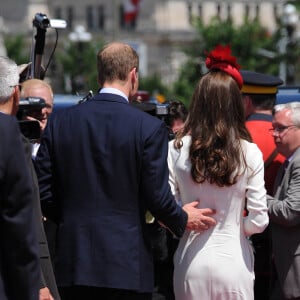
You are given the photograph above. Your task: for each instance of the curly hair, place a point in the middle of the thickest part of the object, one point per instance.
(216, 124)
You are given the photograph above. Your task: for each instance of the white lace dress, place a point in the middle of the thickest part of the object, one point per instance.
(218, 263)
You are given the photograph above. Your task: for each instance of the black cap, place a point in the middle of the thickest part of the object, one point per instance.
(259, 83)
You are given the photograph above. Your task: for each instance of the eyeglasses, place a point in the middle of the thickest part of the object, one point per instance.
(280, 129)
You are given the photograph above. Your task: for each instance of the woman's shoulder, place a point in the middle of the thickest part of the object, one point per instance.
(249, 146)
(251, 151)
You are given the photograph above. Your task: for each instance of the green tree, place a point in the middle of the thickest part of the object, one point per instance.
(78, 61)
(188, 77)
(296, 3)
(17, 49)
(247, 42)
(153, 85)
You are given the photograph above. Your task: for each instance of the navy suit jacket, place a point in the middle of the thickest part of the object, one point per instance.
(47, 273)
(19, 265)
(103, 163)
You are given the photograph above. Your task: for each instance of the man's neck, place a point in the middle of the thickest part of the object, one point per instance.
(6, 108)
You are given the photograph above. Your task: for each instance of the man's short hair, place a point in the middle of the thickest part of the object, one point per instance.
(9, 77)
(115, 61)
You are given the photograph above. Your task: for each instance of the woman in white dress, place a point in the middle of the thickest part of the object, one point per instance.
(213, 160)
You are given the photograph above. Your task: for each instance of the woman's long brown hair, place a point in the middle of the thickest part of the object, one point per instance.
(216, 124)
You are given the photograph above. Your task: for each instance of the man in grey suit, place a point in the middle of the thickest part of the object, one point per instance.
(284, 207)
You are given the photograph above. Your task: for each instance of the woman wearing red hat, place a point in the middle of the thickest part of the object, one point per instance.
(213, 160)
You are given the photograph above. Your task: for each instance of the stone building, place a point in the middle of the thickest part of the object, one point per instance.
(157, 31)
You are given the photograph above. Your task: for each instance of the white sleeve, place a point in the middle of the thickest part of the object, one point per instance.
(172, 157)
(257, 219)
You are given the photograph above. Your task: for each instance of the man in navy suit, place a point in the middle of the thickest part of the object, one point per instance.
(19, 264)
(103, 164)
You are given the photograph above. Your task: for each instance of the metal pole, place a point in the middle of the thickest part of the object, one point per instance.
(282, 50)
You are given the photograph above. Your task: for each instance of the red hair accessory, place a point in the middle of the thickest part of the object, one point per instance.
(220, 58)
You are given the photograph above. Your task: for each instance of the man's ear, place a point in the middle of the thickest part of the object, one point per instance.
(16, 100)
(249, 108)
(16, 94)
(134, 77)
(134, 73)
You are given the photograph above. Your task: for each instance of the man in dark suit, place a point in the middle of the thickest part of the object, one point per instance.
(47, 285)
(40, 89)
(284, 207)
(104, 164)
(19, 264)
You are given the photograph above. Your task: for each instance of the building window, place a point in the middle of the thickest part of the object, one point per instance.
(90, 17)
(129, 13)
(276, 15)
(57, 13)
(70, 16)
(200, 11)
(121, 17)
(257, 11)
(190, 10)
(101, 21)
(247, 12)
(219, 10)
(229, 16)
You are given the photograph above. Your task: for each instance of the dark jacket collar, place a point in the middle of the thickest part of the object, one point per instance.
(109, 97)
(260, 117)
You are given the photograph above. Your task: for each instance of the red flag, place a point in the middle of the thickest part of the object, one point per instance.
(131, 8)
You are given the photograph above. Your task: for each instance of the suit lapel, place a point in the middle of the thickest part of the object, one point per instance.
(278, 179)
(283, 172)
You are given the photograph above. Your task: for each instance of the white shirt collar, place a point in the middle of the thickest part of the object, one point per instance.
(110, 90)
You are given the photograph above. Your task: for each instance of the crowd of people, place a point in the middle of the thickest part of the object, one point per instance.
(222, 193)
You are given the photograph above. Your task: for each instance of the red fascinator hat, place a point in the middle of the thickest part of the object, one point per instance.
(220, 58)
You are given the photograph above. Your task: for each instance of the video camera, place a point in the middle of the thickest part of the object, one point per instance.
(29, 107)
(163, 113)
(32, 106)
(42, 21)
(160, 111)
